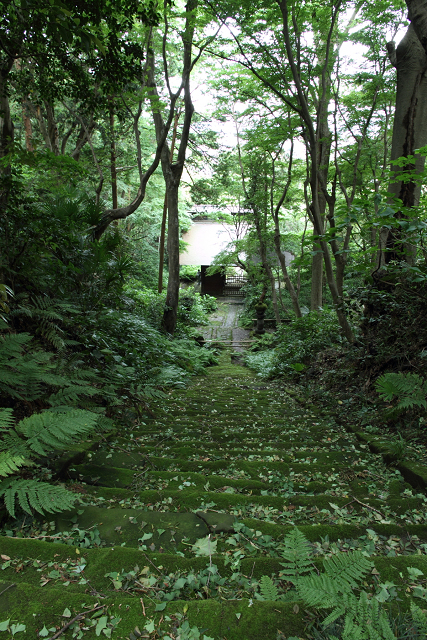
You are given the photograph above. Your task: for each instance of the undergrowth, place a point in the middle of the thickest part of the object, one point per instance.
(79, 332)
(294, 345)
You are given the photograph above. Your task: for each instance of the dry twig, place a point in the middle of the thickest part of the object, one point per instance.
(79, 616)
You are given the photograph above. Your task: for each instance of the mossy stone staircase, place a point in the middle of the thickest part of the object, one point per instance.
(190, 508)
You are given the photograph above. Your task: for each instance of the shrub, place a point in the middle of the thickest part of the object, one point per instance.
(297, 343)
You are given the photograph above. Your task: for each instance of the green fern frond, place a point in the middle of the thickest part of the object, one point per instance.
(351, 630)
(49, 430)
(45, 307)
(419, 617)
(367, 620)
(409, 388)
(12, 344)
(146, 392)
(347, 568)
(390, 385)
(51, 333)
(104, 424)
(46, 313)
(268, 588)
(71, 395)
(12, 443)
(22, 374)
(322, 592)
(33, 495)
(9, 463)
(334, 587)
(6, 419)
(297, 554)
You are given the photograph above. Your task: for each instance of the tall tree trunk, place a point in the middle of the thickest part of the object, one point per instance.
(172, 172)
(52, 128)
(27, 127)
(316, 293)
(165, 212)
(323, 136)
(6, 122)
(113, 169)
(170, 313)
(409, 131)
(6, 137)
(314, 147)
(282, 260)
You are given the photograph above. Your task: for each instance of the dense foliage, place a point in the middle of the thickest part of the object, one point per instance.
(80, 332)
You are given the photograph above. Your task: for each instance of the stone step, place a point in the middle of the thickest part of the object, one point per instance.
(228, 468)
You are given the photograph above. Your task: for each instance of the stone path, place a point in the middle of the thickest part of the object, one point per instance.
(189, 508)
(224, 324)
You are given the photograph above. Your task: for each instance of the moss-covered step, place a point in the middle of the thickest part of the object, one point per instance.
(238, 620)
(150, 529)
(234, 463)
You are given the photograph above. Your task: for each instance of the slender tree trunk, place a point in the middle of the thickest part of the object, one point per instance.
(172, 172)
(6, 122)
(162, 242)
(6, 137)
(272, 280)
(113, 169)
(265, 264)
(314, 169)
(324, 141)
(172, 296)
(288, 283)
(27, 127)
(52, 128)
(316, 292)
(82, 138)
(316, 295)
(165, 211)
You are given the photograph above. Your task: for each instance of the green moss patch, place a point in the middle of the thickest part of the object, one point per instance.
(144, 529)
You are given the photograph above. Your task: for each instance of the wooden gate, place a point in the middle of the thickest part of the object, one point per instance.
(233, 285)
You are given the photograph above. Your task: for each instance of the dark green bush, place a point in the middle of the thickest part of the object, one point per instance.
(296, 343)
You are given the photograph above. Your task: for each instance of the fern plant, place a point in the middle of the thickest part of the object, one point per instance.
(268, 589)
(334, 589)
(47, 316)
(298, 556)
(420, 618)
(27, 373)
(38, 436)
(410, 389)
(22, 373)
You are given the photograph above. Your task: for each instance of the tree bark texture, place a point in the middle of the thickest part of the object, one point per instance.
(165, 212)
(264, 261)
(27, 127)
(52, 128)
(170, 313)
(288, 283)
(409, 130)
(323, 136)
(113, 169)
(6, 122)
